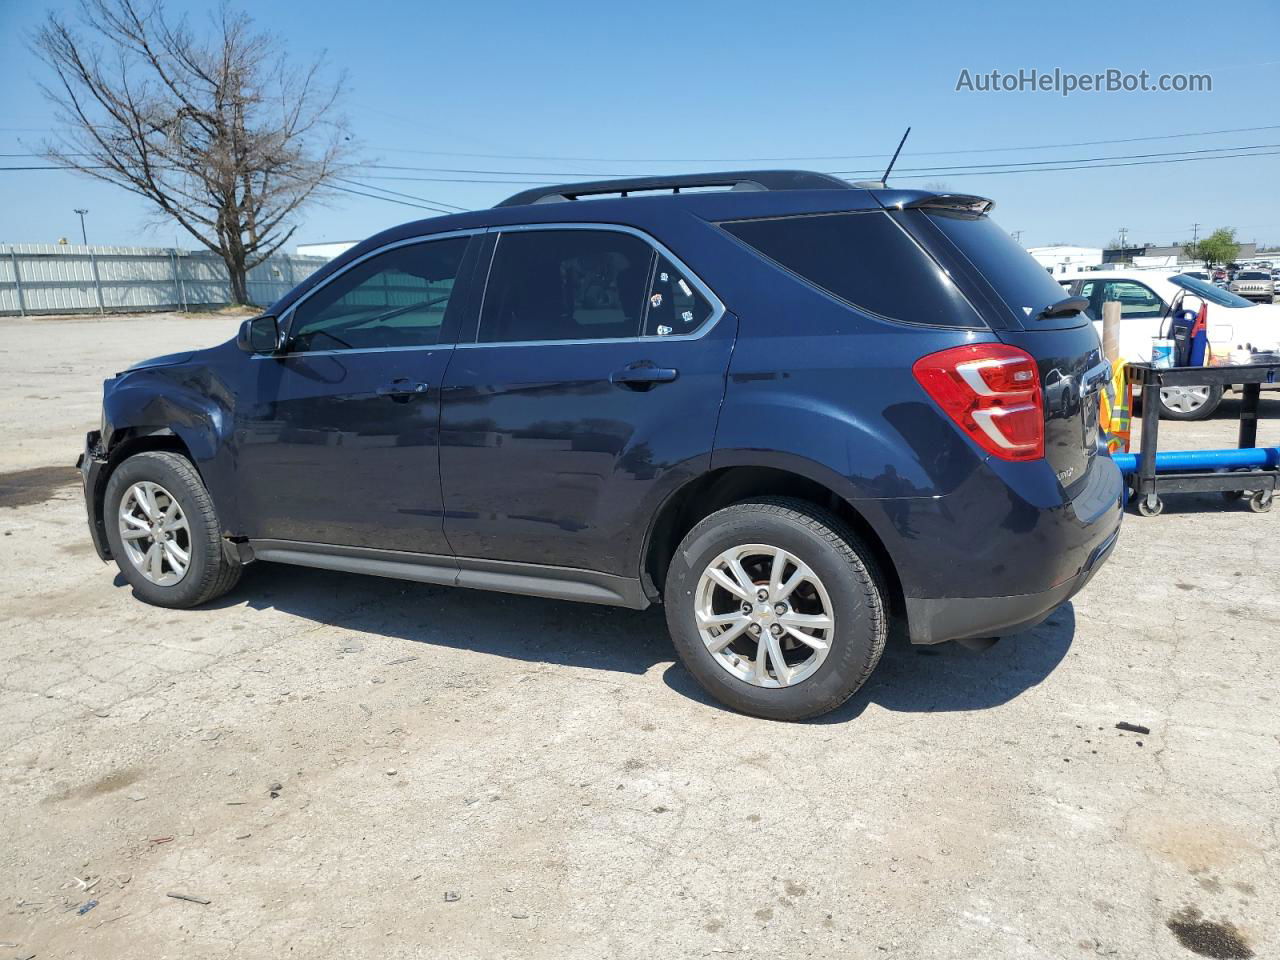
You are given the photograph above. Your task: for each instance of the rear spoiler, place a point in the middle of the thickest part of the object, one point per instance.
(958, 204)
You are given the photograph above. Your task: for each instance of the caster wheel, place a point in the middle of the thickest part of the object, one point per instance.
(1151, 506)
(1261, 501)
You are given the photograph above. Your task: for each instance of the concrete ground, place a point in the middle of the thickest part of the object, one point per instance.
(353, 767)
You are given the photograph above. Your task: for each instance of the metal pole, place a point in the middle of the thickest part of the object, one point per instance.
(177, 279)
(84, 238)
(1248, 436)
(1146, 479)
(97, 281)
(17, 283)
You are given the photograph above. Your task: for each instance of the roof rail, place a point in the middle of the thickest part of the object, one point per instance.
(735, 180)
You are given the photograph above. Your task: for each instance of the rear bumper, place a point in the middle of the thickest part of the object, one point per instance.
(962, 618)
(91, 463)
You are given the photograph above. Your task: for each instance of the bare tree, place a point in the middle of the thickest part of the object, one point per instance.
(224, 133)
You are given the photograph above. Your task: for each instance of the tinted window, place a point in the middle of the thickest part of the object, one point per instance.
(1136, 299)
(675, 305)
(396, 299)
(565, 285)
(864, 259)
(1014, 274)
(1252, 275)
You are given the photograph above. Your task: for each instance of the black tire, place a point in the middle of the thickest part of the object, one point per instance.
(834, 553)
(210, 572)
(1202, 412)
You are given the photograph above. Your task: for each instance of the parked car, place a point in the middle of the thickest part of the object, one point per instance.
(790, 410)
(1254, 285)
(1149, 298)
(1220, 275)
(1197, 274)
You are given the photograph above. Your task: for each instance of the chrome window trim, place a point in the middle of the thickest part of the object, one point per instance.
(286, 321)
(718, 309)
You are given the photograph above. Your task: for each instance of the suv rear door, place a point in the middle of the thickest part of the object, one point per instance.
(589, 391)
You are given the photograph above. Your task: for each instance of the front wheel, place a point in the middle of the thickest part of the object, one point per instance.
(776, 608)
(1189, 403)
(164, 532)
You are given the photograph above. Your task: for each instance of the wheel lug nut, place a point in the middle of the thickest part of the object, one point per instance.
(762, 594)
(776, 629)
(754, 629)
(779, 608)
(746, 608)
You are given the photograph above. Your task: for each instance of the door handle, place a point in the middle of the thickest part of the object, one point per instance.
(402, 390)
(642, 375)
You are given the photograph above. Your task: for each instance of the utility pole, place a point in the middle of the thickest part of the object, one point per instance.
(1017, 236)
(1195, 233)
(83, 236)
(1124, 232)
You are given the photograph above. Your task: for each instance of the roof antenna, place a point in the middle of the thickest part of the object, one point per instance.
(885, 179)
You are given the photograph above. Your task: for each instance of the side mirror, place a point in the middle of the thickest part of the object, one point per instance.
(259, 335)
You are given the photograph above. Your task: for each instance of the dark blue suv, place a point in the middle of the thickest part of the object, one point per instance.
(787, 408)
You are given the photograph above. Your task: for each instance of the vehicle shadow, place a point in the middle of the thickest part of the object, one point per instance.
(908, 680)
(946, 677)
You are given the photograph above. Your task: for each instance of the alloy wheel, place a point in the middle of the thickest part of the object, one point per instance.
(155, 533)
(764, 615)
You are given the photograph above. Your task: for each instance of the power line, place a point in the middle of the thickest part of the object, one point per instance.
(1097, 166)
(437, 203)
(1040, 163)
(433, 205)
(861, 156)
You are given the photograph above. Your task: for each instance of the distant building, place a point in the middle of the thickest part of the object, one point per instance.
(1062, 258)
(1158, 255)
(326, 250)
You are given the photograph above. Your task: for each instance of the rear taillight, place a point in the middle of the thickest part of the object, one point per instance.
(992, 391)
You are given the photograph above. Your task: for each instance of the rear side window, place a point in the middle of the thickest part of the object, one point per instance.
(565, 285)
(1012, 272)
(675, 305)
(864, 259)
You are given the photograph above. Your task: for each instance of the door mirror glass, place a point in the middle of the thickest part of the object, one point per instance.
(259, 335)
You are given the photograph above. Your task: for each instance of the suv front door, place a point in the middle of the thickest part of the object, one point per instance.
(337, 435)
(590, 391)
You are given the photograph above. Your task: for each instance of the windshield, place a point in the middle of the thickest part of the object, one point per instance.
(1253, 275)
(1207, 291)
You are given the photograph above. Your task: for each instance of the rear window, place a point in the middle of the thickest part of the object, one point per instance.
(1014, 274)
(864, 259)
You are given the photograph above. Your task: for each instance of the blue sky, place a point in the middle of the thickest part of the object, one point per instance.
(679, 87)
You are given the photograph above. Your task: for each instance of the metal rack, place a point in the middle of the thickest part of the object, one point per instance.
(1147, 485)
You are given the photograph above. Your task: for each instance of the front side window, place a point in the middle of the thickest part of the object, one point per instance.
(565, 285)
(1136, 299)
(675, 306)
(395, 299)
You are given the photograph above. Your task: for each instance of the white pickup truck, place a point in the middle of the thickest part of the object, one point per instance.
(1149, 298)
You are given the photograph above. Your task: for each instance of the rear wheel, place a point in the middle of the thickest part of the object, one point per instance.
(776, 608)
(1189, 403)
(164, 532)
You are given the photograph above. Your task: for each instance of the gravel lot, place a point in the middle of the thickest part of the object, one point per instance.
(355, 767)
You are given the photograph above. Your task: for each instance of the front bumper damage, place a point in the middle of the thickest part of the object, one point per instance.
(91, 464)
